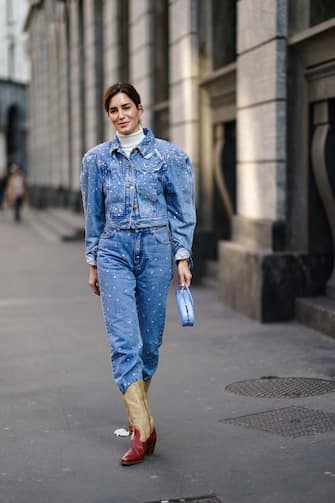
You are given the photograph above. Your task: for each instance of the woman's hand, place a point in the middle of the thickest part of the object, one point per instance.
(184, 272)
(93, 279)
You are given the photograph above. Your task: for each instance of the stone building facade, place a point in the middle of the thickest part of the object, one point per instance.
(14, 76)
(246, 88)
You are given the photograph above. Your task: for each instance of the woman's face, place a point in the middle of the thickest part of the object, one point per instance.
(123, 114)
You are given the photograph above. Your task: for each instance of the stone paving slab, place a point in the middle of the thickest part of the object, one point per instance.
(59, 406)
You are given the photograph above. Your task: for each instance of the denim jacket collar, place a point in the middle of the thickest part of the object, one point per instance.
(144, 146)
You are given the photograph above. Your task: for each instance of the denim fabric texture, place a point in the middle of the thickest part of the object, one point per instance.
(153, 187)
(134, 270)
(139, 212)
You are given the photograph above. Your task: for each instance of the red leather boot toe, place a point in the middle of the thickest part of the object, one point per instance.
(137, 451)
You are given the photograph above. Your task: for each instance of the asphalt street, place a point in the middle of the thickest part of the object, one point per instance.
(59, 406)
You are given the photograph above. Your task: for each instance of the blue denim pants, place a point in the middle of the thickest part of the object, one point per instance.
(135, 269)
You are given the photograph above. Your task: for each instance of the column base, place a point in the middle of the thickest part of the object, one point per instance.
(264, 285)
(317, 313)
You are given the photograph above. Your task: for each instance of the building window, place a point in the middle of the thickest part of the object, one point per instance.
(302, 14)
(161, 68)
(123, 39)
(223, 32)
(321, 10)
(217, 34)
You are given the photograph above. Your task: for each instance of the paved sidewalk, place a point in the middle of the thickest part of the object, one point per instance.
(59, 406)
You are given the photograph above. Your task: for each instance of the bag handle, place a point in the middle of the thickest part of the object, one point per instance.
(187, 288)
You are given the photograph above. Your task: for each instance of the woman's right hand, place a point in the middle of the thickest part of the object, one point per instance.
(93, 279)
(184, 273)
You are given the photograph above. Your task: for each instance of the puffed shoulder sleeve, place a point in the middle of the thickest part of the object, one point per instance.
(94, 207)
(180, 198)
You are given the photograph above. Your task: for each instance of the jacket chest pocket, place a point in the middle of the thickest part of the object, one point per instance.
(148, 187)
(115, 193)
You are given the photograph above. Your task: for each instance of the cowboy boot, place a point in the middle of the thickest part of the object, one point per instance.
(134, 399)
(153, 436)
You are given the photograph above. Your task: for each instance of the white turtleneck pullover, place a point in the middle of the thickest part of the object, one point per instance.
(130, 141)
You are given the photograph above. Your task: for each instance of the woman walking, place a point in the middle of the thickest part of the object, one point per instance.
(138, 195)
(16, 190)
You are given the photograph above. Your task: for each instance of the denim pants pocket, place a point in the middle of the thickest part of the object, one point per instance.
(162, 235)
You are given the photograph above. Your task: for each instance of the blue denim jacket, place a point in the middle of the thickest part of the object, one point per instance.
(151, 188)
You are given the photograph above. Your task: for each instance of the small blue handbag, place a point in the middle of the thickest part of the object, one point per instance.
(185, 305)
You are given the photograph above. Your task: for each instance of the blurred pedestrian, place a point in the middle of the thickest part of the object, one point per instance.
(16, 190)
(138, 194)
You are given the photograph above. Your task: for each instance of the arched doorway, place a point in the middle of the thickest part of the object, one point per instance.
(15, 137)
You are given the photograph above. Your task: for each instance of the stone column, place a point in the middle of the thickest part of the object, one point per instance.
(63, 112)
(53, 109)
(261, 115)
(90, 126)
(140, 51)
(40, 140)
(40, 100)
(248, 264)
(111, 53)
(184, 111)
(76, 108)
(93, 83)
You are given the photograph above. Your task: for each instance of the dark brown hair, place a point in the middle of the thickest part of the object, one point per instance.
(121, 87)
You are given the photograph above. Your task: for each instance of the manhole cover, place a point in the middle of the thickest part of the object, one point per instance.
(282, 387)
(199, 499)
(288, 422)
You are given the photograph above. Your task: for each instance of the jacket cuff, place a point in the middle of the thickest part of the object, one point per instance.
(90, 260)
(182, 254)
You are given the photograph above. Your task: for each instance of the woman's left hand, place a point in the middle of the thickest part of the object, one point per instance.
(184, 273)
